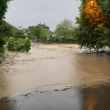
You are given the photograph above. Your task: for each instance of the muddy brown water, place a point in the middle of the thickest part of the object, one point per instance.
(48, 67)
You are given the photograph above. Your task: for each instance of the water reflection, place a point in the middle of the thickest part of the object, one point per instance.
(91, 69)
(96, 99)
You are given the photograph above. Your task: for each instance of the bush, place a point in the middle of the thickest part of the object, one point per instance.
(2, 49)
(27, 45)
(19, 45)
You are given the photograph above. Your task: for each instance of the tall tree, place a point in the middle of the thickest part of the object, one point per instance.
(65, 29)
(93, 20)
(3, 9)
(40, 31)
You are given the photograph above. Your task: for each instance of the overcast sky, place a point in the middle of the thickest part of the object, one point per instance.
(51, 12)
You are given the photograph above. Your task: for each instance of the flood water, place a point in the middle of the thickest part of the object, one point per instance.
(48, 67)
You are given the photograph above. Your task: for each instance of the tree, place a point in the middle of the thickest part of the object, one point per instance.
(93, 22)
(3, 9)
(65, 30)
(8, 29)
(41, 31)
(19, 34)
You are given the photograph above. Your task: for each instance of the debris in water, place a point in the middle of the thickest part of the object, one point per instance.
(57, 90)
(27, 94)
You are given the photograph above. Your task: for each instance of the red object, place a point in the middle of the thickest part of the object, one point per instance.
(36, 40)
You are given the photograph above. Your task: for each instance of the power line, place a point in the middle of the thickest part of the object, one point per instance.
(65, 17)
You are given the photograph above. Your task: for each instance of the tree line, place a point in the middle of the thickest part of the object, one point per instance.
(92, 30)
(64, 32)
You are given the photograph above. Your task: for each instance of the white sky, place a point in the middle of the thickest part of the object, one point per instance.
(32, 12)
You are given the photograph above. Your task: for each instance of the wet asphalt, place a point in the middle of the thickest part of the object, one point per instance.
(69, 98)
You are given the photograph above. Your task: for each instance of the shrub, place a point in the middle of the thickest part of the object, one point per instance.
(2, 49)
(19, 45)
(27, 45)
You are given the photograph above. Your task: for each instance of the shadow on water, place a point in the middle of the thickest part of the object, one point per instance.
(93, 98)
(97, 54)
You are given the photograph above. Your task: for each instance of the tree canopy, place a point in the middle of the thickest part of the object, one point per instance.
(94, 23)
(41, 31)
(65, 29)
(3, 8)
(3, 25)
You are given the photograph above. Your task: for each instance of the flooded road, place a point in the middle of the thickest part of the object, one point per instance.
(72, 99)
(48, 67)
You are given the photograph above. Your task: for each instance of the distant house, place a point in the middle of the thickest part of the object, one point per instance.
(54, 37)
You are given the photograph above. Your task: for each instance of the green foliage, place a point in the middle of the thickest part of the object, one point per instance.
(27, 45)
(2, 49)
(105, 6)
(41, 31)
(2, 42)
(19, 45)
(106, 36)
(11, 31)
(64, 30)
(3, 8)
(0, 62)
(7, 29)
(98, 36)
(19, 34)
